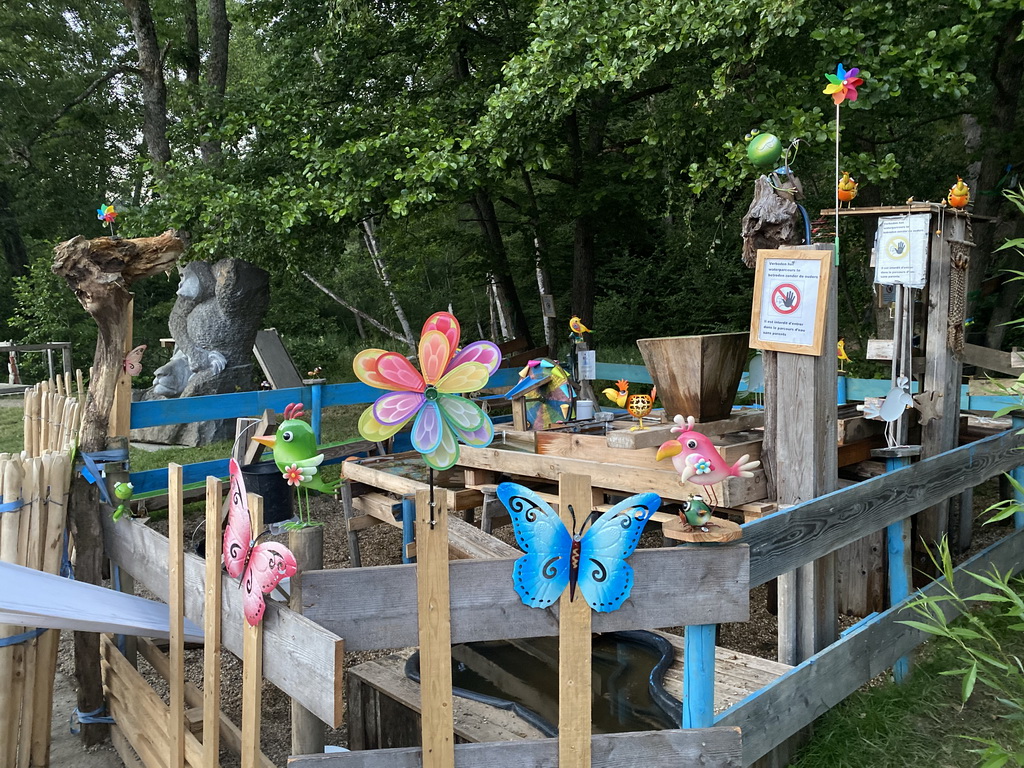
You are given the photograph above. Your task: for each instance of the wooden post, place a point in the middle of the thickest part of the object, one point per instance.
(252, 666)
(574, 649)
(32, 531)
(176, 603)
(307, 544)
(100, 273)
(942, 375)
(435, 630)
(121, 412)
(354, 560)
(800, 416)
(211, 627)
(9, 525)
(699, 676)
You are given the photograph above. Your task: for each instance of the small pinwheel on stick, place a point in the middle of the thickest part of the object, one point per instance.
(106, 213)
(842, 86)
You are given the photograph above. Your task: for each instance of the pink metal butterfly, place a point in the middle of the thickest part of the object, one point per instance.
(261, 566)
(133, 361)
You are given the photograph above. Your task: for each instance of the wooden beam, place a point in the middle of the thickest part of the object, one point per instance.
(307, 544)
(707, 747)
(789, 538)
(303, 659)
(863, 654)
(435, 631)
(484, 606)
(575, 663)
(750, 418)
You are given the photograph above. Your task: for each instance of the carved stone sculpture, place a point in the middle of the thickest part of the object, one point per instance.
(214, 322)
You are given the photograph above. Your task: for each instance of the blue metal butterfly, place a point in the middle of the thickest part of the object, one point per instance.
(594, 557)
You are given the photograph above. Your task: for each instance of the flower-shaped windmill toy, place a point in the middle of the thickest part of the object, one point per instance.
(843, 84)
(107, 214)
(430, 397)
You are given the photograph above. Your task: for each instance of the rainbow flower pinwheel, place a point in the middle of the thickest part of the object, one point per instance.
(442, 417)
(843, 84)
(106, 213)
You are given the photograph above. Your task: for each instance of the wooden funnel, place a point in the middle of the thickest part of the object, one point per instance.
(697, 375)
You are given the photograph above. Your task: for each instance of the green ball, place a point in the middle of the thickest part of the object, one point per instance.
(764, 150)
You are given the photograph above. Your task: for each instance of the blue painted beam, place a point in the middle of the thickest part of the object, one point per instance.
(408, 526)
(699, 676)
(636, 374)
(156, 479)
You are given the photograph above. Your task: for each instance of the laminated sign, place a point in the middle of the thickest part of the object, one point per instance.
(790, 297)
(901, 250)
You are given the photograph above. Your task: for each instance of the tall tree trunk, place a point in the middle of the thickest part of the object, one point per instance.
(373, 247)
(11, 241)
(540, 253)
(191, 52)
(154, 90)
(216, 75)
(996, 144)
(500, 266)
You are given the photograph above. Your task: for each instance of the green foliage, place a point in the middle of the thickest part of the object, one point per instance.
(988, 647)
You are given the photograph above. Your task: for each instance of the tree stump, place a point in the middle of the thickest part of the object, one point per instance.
(100, 272)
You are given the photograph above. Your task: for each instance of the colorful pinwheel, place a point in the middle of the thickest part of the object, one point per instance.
(843, 84)
(106, 213)
(442, 417)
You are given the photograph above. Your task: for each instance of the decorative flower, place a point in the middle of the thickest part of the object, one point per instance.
(432, 394)
(294, 476)
(106, 213)
(703, 466)
(843, 84)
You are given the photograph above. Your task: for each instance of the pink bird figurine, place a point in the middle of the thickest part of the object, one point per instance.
(698, 461)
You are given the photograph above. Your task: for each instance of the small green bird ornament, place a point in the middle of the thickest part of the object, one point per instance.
(696, 513)
(124, 493)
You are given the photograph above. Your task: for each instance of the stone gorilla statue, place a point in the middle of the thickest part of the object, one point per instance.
(214, 322)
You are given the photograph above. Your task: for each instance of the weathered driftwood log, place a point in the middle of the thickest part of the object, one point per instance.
(770, 221)
(100, 272)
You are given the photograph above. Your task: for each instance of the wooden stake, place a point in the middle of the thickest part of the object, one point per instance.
(574, 649)
(9, 523)
(176, 601)
(33, 487)
(211, 627)
(252, 666)
(307, 544)
(435, 631)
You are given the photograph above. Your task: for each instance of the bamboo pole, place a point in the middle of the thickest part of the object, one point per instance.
(176, 602)
(252, 665)
(211, 628)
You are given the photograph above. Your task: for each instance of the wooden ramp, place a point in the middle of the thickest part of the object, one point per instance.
(384, 705)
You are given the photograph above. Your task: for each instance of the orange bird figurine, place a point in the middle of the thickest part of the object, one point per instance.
(698, 461)
(637, 405)
(959, 194)
(847, 189)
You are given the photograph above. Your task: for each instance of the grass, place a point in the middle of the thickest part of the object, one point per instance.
(11, 429)
(918, 723)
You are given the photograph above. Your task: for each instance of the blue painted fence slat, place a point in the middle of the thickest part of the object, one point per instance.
(156, 479)
(699, 676)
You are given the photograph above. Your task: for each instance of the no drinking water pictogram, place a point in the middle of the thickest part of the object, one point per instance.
(785, 298)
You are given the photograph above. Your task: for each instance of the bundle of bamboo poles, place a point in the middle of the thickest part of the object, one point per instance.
(52, 415)
(34, 493)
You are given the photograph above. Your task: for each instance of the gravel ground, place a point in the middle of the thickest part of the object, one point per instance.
(381, 545)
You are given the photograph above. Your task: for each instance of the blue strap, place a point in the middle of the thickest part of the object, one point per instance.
(24, 637)
(84, 718)
(11, 506)
(92, 472)
(67, 570)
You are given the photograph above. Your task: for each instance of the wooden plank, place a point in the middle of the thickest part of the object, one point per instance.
(384, 508)
(993, 359)
(839, 670)
(230, 735)
(466, 541)
(574, 649)
(303, 659)
(617, 477)
(176, 603)
(435, 632)
(252, 666)
(739, 421)
(707, 747)
(273, 357)
(211, 628)
(790, 537)
(307, 544)
(595, 448)
(484, 606)
(367, 472)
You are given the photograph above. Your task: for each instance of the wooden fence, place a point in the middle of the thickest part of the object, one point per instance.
(33, 500)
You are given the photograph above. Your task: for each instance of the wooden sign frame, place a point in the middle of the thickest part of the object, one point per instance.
(808, 286)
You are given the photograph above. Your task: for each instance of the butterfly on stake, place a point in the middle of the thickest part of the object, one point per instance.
(261, 566)
(593, 558)
(133, 361)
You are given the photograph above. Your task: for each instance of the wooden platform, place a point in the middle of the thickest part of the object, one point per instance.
(384, 705)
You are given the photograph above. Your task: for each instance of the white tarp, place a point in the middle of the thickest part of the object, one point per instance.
(30, 598)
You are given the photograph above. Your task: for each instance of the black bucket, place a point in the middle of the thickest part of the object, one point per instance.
(266, 480)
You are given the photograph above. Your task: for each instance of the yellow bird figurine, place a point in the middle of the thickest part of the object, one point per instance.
(959, 194)
(578, 328)
(847, 189)
(841, 354)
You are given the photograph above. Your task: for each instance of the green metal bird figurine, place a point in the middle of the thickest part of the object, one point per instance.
(124, 493)
(696, 513)
(295, 454)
